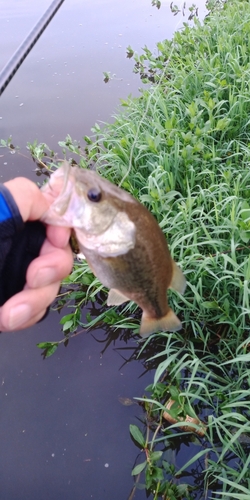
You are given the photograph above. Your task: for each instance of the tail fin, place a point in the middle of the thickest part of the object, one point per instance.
(169, 323)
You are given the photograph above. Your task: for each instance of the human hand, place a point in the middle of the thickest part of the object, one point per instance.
(45, 272)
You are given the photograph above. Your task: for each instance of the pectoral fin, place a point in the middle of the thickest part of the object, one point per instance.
(169, 323)
(178, 281)
(116, 298)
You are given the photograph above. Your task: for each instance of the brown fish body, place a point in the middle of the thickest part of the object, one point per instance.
(122, 242)
(144, 273)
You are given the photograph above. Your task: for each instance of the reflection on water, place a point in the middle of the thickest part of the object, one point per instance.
(61, 419)
(59, 88)
(63, 430)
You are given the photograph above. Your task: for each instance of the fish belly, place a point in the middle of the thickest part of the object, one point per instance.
(132, 279)
(113, 272)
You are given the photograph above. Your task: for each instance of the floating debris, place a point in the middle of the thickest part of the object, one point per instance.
(200, 431)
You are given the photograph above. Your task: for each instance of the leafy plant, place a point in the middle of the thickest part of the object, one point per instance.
(182, 149)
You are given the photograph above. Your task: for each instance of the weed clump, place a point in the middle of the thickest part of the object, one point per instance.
(182, 148)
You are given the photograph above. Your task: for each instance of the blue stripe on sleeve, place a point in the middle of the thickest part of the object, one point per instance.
(5, 212)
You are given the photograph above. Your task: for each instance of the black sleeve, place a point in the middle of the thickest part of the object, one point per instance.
(20, 243)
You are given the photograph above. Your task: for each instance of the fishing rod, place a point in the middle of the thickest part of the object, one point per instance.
(26, 244)
(23, 50)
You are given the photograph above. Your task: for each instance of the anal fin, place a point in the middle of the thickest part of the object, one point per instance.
(116, 298)
(178, 281)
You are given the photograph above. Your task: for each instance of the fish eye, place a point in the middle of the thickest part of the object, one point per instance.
(94, 194)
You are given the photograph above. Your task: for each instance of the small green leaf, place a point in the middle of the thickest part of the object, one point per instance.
(148, 478)
(149, 388)
(174, 393)
(245, 236)
(88, 140)
(66, 318)
(45, 345)
(138, 468)
(210, 304)
(156, 455)
(182, 489)
(222, 123)
(158, 474)
(137, 435)
(50, 350)
(67, 325)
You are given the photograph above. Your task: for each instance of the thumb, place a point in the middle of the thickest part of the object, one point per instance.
(28, 197)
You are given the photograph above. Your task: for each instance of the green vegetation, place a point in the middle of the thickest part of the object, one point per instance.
(182, 149)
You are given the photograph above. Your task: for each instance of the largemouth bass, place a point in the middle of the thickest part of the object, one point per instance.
(122, 242)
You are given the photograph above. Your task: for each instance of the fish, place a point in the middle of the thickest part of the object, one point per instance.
(121, 241)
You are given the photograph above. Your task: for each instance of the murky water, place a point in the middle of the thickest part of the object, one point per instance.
(64, 433)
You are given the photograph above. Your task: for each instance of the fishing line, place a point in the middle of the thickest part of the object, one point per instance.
(145, 113)
(23, 50)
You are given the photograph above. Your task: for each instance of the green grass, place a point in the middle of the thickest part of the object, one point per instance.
(182, 149)
(188, 162)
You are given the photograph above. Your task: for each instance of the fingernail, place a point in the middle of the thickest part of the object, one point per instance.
(44, 276)
(19, 315)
